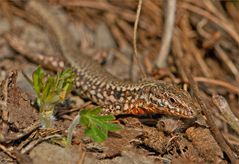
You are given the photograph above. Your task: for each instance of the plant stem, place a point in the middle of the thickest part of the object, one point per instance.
(71, 128)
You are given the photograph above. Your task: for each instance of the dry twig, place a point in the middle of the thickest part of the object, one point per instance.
(226, 112)
(224, 84)
(136, 55)
(222, 23)
(224, 57)
(168, 32)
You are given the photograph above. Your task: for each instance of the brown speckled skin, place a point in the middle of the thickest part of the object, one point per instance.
(121, 97)
(124, 97)
(116, 96)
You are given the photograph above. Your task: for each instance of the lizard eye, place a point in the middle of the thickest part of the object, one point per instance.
(172, 100)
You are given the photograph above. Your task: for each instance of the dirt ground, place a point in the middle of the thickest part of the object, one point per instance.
(203, 51)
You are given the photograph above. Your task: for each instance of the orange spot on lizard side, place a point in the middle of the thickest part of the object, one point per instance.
(137, 111)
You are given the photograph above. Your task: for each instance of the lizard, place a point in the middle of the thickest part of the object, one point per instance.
(114, 95)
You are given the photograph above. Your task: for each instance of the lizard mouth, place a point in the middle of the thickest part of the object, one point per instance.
(177, 112)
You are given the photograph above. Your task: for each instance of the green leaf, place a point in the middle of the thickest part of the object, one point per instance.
(52, 89)
(113, 127)
(106, 125)
(83, 112)
(52, 99)
(90, 111)
(37, 77)
(97, 126)
(105, 118)
(84, 121)
(94, 111)
(65, 90)
(96, 134)
(48, 88)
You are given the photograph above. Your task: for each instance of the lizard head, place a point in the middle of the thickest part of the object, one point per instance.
(168, 99)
